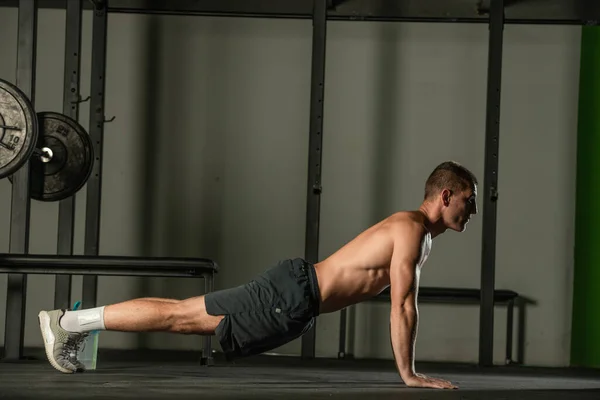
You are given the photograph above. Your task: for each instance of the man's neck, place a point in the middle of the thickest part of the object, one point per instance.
(433, 220)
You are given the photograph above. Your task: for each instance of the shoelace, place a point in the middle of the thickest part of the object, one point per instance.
(74, 344)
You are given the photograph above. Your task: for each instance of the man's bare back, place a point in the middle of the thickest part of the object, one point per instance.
(361, 269)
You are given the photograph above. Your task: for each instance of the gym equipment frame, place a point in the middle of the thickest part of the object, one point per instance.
(495, 13)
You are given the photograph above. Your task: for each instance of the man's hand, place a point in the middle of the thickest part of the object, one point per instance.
(422, 381)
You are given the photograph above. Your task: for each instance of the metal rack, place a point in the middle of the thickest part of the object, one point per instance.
(495, 13)
(18, 264)
(573, 12)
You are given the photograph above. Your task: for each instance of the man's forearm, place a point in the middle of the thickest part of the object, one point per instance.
(403, 332)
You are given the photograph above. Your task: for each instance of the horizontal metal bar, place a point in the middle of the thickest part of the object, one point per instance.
(105, 265)
(106, 271)
(572, 12)
(453, 295)
(442, 300)
(458, 292)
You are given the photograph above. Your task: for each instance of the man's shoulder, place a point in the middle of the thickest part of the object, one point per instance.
(408, 222)
(406, 230)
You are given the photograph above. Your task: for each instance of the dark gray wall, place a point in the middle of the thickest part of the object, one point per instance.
(208, 157)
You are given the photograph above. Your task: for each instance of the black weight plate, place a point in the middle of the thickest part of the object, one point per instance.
(71, 160)
(18, 129)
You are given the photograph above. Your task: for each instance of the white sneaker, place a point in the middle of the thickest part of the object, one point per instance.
(61, 346)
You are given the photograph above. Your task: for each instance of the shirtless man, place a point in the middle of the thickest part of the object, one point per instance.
(282, 303)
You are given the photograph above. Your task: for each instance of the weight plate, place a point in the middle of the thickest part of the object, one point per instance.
(66, 159)
(18, 129)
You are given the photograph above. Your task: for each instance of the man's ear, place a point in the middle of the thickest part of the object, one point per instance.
(446, 194)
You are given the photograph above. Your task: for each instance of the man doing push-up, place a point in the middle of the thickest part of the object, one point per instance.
(281, 304)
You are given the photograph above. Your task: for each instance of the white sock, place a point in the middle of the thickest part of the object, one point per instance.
(88, 320)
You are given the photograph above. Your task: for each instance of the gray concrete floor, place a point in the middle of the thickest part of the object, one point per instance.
(285, 378)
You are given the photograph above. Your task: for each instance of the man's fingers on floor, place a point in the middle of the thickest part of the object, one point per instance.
(437, 383)
(439, 380)
(446, 384)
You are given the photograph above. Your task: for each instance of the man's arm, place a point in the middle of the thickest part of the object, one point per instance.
(404, 315)
(404, 282)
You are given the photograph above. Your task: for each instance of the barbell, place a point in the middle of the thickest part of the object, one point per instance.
(59, 149)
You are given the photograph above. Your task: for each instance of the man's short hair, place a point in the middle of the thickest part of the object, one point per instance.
(449, 175)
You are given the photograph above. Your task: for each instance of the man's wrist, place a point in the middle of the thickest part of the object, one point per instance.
(407, 373)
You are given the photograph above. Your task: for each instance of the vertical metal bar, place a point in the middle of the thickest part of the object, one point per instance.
(207, 358)
(20, 203)
(490, 192)
(313, 204)
(66, 208)
(520, 304)
(509, 331)
(342, 340)
(94, 185)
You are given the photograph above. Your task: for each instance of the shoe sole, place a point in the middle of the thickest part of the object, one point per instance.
(49, 340)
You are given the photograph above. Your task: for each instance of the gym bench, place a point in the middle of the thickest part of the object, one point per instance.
(448, 295)
(117, 266)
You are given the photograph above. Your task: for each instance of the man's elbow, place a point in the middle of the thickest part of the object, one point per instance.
(404, 308)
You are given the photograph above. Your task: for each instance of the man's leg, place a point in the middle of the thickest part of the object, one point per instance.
(161, 315)
(64, 331)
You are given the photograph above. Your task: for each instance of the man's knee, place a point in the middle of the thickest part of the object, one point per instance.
(190, 317)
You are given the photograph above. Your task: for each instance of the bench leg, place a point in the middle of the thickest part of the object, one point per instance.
(342, 345)
(509, 331)
(207, 357)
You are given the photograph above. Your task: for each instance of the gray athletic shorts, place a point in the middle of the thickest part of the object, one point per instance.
(274, 308)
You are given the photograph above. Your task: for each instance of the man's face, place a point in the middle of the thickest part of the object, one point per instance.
(459, 206)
